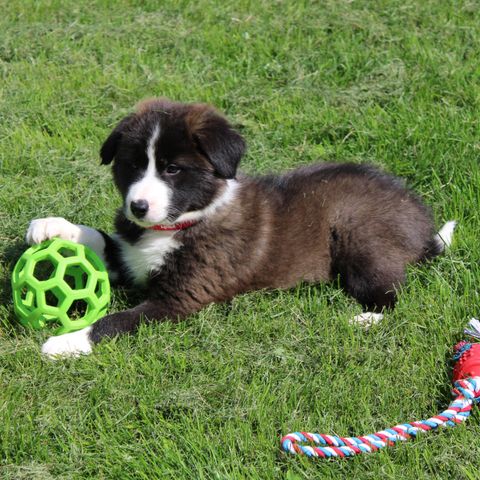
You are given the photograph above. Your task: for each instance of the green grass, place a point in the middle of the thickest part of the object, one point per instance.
(395, 83)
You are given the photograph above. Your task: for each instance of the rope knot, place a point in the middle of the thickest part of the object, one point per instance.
(468, 364)
(468, 388)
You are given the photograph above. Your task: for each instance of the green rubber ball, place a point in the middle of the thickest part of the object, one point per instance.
(60, 283)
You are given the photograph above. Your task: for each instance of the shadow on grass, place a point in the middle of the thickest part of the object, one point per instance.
(9, 256)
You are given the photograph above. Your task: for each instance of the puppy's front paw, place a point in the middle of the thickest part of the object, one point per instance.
(46, 228)
(69, 345)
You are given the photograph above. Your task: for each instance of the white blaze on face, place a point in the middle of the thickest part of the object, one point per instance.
(150, 188)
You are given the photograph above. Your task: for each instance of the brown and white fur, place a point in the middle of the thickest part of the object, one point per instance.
(176, 163)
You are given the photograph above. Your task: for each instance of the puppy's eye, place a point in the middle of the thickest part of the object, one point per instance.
(172, 169)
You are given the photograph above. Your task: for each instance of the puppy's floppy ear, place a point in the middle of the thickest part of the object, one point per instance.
(109, 147)
(215, 138)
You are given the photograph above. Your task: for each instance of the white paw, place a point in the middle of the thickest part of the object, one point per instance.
(69, 345)
(367, 319)
(47, 228)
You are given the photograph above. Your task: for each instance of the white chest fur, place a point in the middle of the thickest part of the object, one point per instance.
(148, 253)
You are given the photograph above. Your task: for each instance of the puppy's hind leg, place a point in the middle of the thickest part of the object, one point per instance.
(372, 285)
(374, 297)
(375, 291)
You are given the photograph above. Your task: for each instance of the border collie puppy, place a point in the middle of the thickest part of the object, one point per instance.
(192, 232)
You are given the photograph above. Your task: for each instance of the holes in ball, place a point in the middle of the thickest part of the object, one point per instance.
(28, 297)
(99, 288)
(44, 270)
(54, 297)
(20, 265)
(67, 252)
(76, 277)
(24, 292)
(78, 309)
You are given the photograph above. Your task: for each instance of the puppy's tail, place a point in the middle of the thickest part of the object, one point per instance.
(441, 240)
(444, 236)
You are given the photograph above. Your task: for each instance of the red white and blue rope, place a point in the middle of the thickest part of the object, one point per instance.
(466, 390)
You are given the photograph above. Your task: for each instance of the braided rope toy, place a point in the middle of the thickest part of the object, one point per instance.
(466, 382)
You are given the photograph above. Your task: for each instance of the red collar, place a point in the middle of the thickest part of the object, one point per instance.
(176, 226)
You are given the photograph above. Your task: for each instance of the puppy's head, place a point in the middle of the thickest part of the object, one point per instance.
(171, 161)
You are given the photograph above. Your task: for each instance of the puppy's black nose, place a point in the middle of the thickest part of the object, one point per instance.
(139, 208)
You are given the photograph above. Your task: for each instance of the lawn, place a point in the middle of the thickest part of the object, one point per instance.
(394, 83)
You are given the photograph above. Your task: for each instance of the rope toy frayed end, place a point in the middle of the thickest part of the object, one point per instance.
(466, 383)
